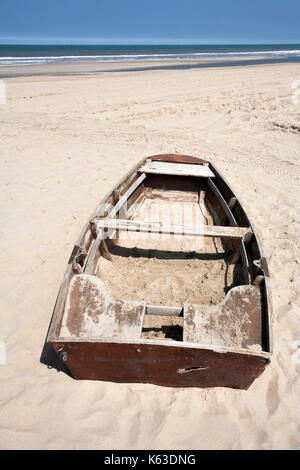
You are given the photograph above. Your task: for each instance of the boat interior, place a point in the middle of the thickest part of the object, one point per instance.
(170, 256)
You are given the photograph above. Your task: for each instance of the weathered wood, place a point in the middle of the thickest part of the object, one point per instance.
(122, 210)
(81, 256)
(245, 264)
(161, 363)
(91, 312)
(233, 322)
(238, 248)
(211, 210)
(231, 205)
(174, 229)
(179, 169)
(174, 158)
(238, 251)
(163, 310)
(247, 237)
(100, 235)
(201, 197)
(232, 202)
(104, 251)
(236, 254)
(76, 268)
(126, 196)
(201, 203)
(134, 208)
(94, 229)
(89, 267)
(258, 280)
(223, 203)
(84, 240)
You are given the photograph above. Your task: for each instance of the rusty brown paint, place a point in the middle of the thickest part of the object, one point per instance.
(235, 322)
(160, 365)
(89, 305)
(173, 158)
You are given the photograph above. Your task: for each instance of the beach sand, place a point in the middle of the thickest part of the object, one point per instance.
(65, 141)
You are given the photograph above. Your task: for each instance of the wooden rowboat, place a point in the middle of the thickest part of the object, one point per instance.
(167, 284)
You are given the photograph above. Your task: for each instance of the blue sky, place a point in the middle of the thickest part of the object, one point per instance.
(149, 21)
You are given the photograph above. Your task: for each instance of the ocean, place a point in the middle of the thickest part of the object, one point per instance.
(41, 54)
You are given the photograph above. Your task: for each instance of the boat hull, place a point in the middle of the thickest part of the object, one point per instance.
(170, 366)
(162, 362)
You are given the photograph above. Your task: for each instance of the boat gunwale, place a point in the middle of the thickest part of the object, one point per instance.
(57, 313)
(267, 286)
(153, 342)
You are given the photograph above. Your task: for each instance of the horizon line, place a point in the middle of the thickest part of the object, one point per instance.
(148, 44)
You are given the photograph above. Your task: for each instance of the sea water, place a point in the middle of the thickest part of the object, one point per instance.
(41, 54)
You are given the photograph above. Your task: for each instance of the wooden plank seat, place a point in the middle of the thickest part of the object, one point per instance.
(91, 312)
(177, 169)
(240, 233)
(237, 321)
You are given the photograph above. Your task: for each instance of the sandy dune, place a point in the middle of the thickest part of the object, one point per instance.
(64, 142)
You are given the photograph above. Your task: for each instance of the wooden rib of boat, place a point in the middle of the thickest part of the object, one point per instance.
(167, 284)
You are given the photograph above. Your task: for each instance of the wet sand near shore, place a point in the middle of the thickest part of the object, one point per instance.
(99, 67)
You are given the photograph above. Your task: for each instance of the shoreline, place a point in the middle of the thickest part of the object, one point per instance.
(100, 67)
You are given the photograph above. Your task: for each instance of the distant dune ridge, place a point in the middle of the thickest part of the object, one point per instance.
(64, 142)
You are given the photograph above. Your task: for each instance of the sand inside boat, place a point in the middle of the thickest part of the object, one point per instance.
(169, 270)
(159, 275)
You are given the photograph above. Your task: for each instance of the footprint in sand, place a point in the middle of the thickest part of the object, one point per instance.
(273, 399)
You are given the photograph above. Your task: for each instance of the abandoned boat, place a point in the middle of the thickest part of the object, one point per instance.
(167, 284)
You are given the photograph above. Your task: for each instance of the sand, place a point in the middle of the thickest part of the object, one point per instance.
(64, 142)
(164, 270)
